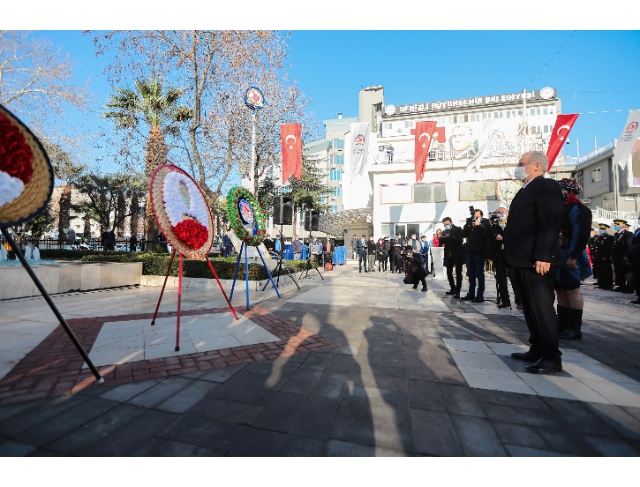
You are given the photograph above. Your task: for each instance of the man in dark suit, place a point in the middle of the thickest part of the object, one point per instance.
(532, 249)
(451, 238)
(361, 246)
(634, 259)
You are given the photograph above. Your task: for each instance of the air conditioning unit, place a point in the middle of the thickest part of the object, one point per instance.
(333, 198)
(586, 200)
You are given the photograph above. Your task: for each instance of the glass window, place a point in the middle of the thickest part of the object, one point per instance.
(413, 229)
(550, 110)
(335, 175)
(338, 190)
(395, 194)
(337, 144)
(429, 193)
(477, 190)
(337, 159)
(389, 125)
(545, 111)
(519, 113)
(596, 175)
(333, 207)
(386, 229)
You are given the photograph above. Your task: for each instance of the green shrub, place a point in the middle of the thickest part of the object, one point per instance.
(62, 254)
(156, 265)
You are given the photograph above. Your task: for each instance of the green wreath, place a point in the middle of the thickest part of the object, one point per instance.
(233, 214)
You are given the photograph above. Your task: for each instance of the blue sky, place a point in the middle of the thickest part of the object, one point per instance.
(595, 71)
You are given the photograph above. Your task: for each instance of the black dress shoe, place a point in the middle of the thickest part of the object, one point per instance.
(450, 293)
(468, 297)
(478, 299)
(544, 366)
(526, 356)
(504, 305)
(457, 296)
(617, 290)
(637, 301)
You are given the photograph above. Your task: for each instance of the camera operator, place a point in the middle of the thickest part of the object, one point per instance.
(476, 231)
(500, 266)
(451, 238)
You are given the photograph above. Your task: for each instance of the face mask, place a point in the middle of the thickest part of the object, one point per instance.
(502, 216)
(602, 231)
(616, 228)
(521, 173)
(447, 227)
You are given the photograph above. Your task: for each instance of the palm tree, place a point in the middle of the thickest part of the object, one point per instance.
(158, 109)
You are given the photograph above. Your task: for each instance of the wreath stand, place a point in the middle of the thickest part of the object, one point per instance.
(166, 277)
(53, 307)
(243, 250)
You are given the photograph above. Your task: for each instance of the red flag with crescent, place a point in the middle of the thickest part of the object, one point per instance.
(424, 133)
(561, 130)
(290, 137)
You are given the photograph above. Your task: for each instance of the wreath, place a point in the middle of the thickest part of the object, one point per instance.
(245, 215)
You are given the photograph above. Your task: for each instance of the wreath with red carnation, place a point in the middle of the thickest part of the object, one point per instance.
(250, 232)
(15, 153)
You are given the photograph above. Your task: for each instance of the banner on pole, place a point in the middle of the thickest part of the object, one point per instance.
(290, 138)
(628, 138)
(424, 135)
(561, 129)
(359, 148)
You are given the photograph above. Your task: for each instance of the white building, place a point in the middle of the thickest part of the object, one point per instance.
(476, 145)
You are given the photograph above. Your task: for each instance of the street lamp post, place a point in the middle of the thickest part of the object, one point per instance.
(254, 100)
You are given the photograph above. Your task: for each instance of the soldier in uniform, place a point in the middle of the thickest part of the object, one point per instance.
(620, 250)
(603, 258)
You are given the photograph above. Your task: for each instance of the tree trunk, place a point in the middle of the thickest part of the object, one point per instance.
(64, 214)
(87, 227)
(121, 210)
(294, 227)
(155, 155)
(135, 215)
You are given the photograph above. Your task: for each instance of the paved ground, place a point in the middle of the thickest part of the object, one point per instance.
(394, 373)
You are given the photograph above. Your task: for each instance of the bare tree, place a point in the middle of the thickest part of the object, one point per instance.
(37, 83)
(214, 68)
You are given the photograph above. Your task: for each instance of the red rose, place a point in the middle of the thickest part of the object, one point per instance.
(192, 233)
(15, 153)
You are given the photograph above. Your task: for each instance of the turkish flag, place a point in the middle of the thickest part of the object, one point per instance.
(290, 137)
(424, 133)
(561, 130)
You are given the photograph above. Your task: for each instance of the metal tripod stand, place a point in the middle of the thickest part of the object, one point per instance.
(282, 266)
(308, 267)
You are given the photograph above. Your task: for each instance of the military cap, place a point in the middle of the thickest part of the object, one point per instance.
(618, 222)
(604, 225)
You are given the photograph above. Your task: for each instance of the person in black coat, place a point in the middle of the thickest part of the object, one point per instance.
(531, 244)
(619, 251)
(133, 243)
(476, 230)
(634, 259)
(453, 255)
(361, 248)
(603, 258)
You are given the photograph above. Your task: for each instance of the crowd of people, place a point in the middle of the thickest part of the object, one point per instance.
(541, 245)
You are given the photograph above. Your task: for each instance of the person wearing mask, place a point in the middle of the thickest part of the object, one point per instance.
(381, 255)
(371, 254)
(620, 250)
(268, 243)
(415, 270)
(436, 238)
(602, 257)
(531, 247)
(228, 245)
(361, 246)
(476, 230)
(451, 239)
(634, 259)
(574, 234)
(590, 250)
(387, 252)
(500, 267)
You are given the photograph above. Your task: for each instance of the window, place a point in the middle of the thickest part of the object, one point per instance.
(337, 143)
(596, 175)
(335, 175)
(323, 199)
(395, 194)
(477, 190)
(429, 193)
(389, 126)
(338, 190)
(550, 110)
(386, 229)
(545, 111)
(337, 159)
(462, 118)
(519, 113)
(333, 208)
(547, 129)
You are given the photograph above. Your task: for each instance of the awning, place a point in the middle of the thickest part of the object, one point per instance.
(334, 223)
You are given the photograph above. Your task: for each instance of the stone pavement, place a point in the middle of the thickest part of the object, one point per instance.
(356, 365)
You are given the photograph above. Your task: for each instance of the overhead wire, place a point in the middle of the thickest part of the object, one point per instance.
(552, 58)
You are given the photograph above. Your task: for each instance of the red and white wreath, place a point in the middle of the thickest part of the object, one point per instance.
(16, 158)
(186, 209)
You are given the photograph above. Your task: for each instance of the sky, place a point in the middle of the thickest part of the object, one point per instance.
(593, 71)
